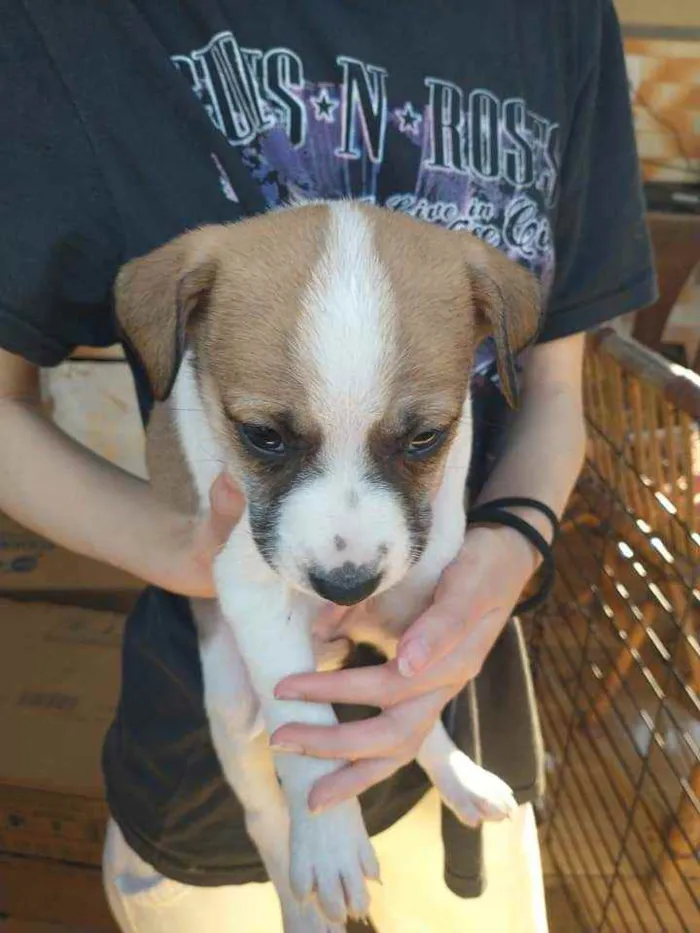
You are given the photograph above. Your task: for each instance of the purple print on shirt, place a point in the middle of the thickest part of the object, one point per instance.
(475, 162)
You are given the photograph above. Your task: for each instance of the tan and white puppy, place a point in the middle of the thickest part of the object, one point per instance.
(321, 355)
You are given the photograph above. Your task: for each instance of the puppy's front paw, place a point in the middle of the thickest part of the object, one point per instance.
(473, 793)
(330, 858)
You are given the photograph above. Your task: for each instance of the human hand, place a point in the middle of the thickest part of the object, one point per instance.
(437, 656)
(197, 540)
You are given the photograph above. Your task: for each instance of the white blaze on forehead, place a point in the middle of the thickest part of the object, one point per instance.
(346, 338)
(347, 345)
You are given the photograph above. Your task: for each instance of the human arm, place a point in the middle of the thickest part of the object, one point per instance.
(62, 246)
(61, 490)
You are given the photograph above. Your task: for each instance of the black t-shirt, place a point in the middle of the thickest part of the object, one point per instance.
(125, 123)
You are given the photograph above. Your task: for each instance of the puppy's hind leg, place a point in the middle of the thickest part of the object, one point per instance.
(470, 791)
(243, 750)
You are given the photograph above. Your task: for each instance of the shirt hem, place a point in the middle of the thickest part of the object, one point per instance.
(240, 874)
(201, 878)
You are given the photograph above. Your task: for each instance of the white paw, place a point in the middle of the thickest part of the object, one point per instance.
(330, 859)
(472, 793)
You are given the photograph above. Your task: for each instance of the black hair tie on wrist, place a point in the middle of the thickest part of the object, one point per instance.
(496, 513)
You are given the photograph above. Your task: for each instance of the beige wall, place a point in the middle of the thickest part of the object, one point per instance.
(659, 12)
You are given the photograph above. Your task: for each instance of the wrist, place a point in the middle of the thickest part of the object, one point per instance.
(166, 555)
(519, 548)
(513, 542)
(507, 548)
(186, 567)
(539, 522)
(501, 512)
(532, 520)
(517, 542)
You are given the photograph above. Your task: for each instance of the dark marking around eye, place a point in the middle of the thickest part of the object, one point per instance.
(270, 488)
(410, 478)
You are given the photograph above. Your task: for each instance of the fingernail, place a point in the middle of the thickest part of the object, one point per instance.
(322, 805)
(412, 658)
(287, 747)
(287, 693)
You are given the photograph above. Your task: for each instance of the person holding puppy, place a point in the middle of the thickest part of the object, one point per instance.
(128, 123)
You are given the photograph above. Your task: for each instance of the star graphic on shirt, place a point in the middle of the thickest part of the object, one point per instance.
(324, 106)
(409, 119)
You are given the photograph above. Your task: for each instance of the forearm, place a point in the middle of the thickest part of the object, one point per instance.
(545, 448)
(54, 486)
(544, 453)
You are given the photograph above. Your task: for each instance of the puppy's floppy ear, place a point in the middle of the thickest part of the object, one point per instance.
(507, 303)
(156, 297)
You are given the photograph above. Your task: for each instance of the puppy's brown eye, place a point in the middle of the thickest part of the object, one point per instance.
(262, 439)
(423, 444)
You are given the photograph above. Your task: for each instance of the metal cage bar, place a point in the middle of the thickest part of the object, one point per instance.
(616, 654)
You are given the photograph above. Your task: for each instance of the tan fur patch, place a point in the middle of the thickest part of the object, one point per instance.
(248, 335)
(435, 319)
(452, 290)
(246, 346)
(169, 474)
(243, 336)
(449, 289)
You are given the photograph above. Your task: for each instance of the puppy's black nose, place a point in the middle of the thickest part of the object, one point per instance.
(345, 585)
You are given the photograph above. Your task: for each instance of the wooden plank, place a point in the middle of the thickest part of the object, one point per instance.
(47, 891)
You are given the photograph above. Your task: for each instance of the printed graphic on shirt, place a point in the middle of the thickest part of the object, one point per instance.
(483, 164)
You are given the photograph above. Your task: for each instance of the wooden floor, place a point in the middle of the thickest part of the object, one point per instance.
(420, 901)
(561, 918)
(27, 926)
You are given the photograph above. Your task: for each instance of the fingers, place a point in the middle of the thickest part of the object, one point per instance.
(396, 733)
(384, 686)
(429, 639)
(467, 595)
(412, 724)
(227, 504)
(381, 686)
(350, 781)
(225, 497)
(374, 686)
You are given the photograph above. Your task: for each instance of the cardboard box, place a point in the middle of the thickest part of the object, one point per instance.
(59, 684)
(95, 403)
(29, 563)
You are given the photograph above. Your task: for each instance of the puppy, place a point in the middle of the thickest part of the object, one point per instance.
(320, 354)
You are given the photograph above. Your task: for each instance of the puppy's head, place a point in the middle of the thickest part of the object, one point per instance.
(332, 346)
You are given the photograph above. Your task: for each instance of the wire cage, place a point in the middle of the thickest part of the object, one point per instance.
(616, 658)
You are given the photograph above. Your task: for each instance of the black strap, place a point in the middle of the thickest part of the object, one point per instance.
(524, 502)
(496, 513)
